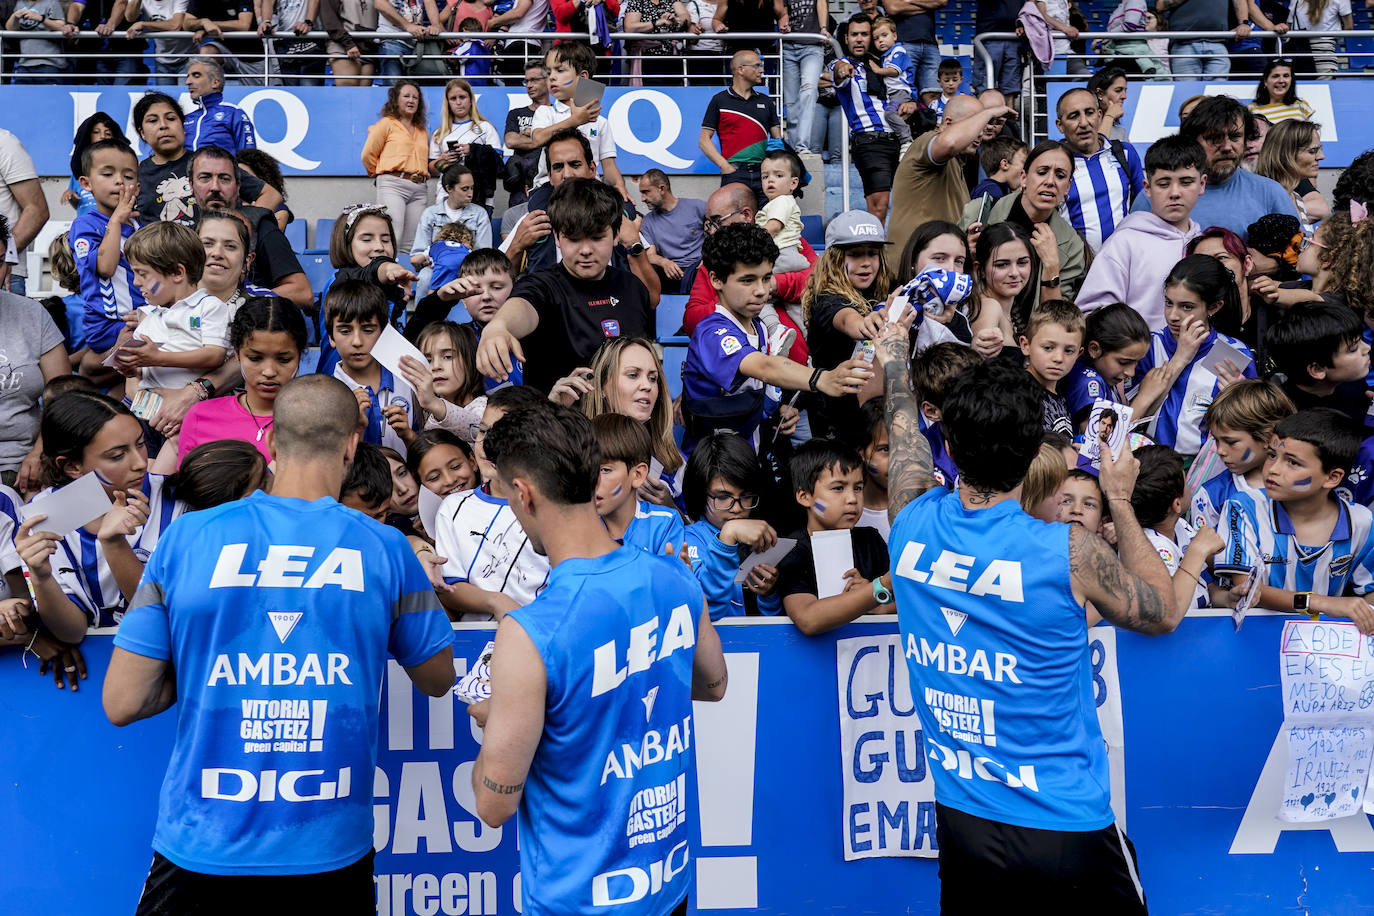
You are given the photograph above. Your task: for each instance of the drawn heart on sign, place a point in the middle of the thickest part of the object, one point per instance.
(1307, 799)
(1330, 798)
(1355, 792)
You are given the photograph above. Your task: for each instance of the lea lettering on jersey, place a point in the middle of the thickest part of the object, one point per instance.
(617, 634)
(278, 615)
(997, 651)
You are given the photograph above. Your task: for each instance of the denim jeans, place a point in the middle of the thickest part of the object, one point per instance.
(1006, 67)
(389, 64)
(125, 69)
(801, 74)
(1196, 58)
(19, 285)
(925, 55)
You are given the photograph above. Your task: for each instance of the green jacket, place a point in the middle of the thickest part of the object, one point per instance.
(1073, 251)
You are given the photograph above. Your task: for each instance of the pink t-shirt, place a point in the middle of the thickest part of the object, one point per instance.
(222, 418)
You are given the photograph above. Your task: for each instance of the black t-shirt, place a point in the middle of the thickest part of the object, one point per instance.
(797, 570)
(1348, 398)
(92, 15)
(518, 120)
(274, 260)
(224, 11)
(997, 15)
(915, 27)
(829, 346)
(164, 191)
(575, 316)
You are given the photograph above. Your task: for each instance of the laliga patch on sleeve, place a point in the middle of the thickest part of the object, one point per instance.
(730, 345)
(610, 327)
(1094, 388)
(81, 248)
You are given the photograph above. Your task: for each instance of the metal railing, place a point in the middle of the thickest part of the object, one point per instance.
(1032, 115)
(271, 75)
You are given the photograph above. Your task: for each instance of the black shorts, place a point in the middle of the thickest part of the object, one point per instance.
(989, 867)
(173, 891)
(875, 155)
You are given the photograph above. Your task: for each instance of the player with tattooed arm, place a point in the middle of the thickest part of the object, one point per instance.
(990, 604)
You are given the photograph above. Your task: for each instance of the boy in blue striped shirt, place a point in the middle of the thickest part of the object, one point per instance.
(1316, 549)
(625, 450)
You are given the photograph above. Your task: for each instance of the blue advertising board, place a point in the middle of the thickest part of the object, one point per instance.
(1343, 108)
(1201, 707)
(319, 130)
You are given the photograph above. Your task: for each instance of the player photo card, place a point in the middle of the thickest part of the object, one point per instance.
(1107, 419)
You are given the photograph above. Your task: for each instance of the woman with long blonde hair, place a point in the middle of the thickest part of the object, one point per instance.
(626, 377)
(1292, 153)
(464, 137)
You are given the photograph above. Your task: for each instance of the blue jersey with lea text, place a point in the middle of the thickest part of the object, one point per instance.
(1178, 421)
(277, 616)
(606, 801)
(1258, 532)
(998, 654)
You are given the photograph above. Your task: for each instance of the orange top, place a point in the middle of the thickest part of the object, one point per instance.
(393, 147)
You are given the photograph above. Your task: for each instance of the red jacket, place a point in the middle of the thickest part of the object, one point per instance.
(702, 300)
(565, 10)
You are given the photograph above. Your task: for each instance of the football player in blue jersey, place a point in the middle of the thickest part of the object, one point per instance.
(271, 619)
(588, 729)
(990, 603)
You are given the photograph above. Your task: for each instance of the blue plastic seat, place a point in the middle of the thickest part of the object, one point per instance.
(295, 234)
(668, 315)
(673, 357)
(324, 228)
(813, 230)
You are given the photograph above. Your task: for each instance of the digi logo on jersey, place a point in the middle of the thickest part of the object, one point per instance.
(966, 766)
(230, 784)
(628, 885)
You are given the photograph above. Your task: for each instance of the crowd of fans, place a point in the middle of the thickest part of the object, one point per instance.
(1208, 295)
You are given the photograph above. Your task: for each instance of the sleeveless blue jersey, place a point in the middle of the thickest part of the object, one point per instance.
(603, 821)
(997, 649)
(278, 615)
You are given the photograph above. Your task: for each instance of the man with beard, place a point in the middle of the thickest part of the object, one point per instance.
(215, 183)
(1107, 175)
(1235, 198)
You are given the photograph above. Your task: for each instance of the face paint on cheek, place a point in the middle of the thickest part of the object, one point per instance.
(1304, 484)
(617, 491)
(152, 290)
(819, 507)
(872, 469)
(1248, 455)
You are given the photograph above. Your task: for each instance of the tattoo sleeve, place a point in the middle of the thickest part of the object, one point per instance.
(1120, 595)
(500, 789)
(910, 466)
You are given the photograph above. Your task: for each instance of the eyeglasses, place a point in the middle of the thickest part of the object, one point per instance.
(1308, 241)
(715, 222)
(724, 502)
(478, 431)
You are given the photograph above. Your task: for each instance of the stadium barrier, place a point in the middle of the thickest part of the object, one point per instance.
(814, 757)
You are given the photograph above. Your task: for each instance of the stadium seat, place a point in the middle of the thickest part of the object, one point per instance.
(668, 317)
(41, 284)
(673, 357)
(295, 234)
(813, 230)
(324, 228)
(496, 231)
(317, 269)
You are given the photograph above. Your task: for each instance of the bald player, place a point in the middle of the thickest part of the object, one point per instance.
(271, 619)
(930, 182)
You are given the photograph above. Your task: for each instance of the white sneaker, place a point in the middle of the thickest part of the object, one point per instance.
(781, 340)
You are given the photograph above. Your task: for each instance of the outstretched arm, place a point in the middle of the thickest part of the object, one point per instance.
(911, 469)
(1134, 591)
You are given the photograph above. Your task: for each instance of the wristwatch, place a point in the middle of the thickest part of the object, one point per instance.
(881, 594)
(1053, 284)
(1302, 602)
(635, 250)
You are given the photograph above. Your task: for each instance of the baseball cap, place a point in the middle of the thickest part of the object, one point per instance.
(855, 227)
